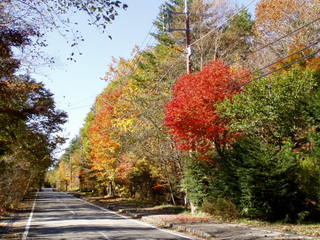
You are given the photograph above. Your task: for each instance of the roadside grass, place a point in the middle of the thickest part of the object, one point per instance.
(137, 202)
(183, 218)
(168, 207)
(311, 229)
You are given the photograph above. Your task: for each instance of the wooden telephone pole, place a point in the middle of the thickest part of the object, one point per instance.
(188, 37)
(187, 30)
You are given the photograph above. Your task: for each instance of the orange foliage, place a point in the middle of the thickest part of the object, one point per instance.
(296, 53)
(104, 146)
(279, 17)
(124, 169)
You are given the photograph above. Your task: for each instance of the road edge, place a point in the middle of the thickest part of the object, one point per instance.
(134, 220)
(27, 228)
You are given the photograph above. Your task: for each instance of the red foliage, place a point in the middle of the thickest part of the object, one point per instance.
(191, 114)
(159, 188)
(123, 171)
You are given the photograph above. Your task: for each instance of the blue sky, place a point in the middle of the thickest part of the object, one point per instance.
(75, 85)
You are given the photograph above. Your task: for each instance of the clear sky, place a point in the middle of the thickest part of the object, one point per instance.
(76, 85)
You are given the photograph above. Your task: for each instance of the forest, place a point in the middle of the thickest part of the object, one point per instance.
(30, 123)
(239, 135)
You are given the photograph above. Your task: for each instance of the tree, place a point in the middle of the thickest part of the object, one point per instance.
(277, 155)
(275, 19)
(41, 17)
(191, 115)
(53, 15)
(103, 144)
(29, 123)
(130, 111)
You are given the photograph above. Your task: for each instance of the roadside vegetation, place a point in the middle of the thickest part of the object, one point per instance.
(30, 123)
(238, 137)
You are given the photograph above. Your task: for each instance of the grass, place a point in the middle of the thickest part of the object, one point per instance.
(183, 218)
(311, 229)
(169, 207)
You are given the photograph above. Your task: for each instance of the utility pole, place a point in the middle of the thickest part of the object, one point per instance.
(188, 37)
(187, 30)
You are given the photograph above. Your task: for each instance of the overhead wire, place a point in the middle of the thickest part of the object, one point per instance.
(229, 18)
(135, 60)
(281, 59)
(178, 57)
(275, 62)
(265, 46)
(280, 38)
(278, 69)
(79, 107)
(255, 51)
(287, 35)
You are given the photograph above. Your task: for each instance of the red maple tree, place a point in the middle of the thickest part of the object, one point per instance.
(191, 114)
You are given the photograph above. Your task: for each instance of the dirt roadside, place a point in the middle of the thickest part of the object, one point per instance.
(8, 227)
(205, 227)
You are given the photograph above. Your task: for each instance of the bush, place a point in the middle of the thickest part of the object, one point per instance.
(223, 208)
(259, 180)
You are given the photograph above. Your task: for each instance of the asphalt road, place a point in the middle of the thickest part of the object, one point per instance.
(59, 215)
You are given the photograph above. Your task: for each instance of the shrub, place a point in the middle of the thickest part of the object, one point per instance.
(223, 208)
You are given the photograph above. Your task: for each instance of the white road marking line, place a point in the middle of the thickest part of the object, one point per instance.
(26, 231)
(105, 236)
(125, 217)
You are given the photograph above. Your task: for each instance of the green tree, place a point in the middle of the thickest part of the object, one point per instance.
(29, 124)
(275, 162)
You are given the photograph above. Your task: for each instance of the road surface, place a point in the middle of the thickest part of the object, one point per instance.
(57, 215)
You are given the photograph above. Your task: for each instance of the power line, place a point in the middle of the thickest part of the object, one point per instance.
(166, 73)
(281, 59)
(74, 104)
(263, 68)
(136, 58)
(268, 44)
(280, 38)
(287, 35)
(232, 16)
(136, 61)
(278, 69)
(259, 49)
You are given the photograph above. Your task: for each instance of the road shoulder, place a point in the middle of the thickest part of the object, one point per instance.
(13, 225)
(199, 226)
